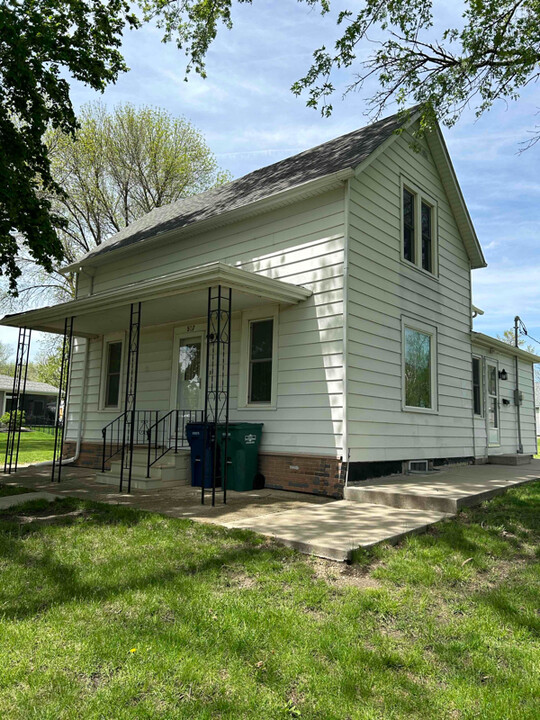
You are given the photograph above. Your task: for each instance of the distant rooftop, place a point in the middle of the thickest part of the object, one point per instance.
(32, 386)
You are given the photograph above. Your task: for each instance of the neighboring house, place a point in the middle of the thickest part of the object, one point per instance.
(40, 400)
(537, 406)
(351, 335)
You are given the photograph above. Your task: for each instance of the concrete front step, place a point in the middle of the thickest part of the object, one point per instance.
(510, 459)
(400, 499)
(137, 483)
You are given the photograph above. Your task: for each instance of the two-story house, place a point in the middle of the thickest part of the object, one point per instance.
(339, 315)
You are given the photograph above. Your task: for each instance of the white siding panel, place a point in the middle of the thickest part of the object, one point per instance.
(302, 244)
(382, 290)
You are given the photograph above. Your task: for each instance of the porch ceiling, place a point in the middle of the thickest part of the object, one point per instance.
(170, 298)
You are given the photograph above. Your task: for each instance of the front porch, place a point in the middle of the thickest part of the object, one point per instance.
(143, 361)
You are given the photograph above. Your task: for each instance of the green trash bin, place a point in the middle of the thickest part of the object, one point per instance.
(242, 454)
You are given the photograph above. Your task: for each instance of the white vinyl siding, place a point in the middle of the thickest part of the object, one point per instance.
(507, 412)
(383, 288)
(301, 244)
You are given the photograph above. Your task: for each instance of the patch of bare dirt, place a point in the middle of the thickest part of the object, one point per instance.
(342, 575)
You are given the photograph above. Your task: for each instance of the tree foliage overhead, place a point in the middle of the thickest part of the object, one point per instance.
(491, 55)
(39, 41)
(116, 167)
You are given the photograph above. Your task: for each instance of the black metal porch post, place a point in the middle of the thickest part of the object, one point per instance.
(130, 402)
(60, 423)
(17, 400)
(216, 399)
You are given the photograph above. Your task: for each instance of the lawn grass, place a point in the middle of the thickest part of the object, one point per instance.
(6, 490)
(35, 447)
(107, 612)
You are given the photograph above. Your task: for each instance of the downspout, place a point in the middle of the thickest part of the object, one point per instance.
(74, 458)
(474, 314)
(345, 340)
(517, 401)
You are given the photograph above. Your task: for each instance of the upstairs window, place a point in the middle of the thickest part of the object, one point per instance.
(408, 225)
(419, 229)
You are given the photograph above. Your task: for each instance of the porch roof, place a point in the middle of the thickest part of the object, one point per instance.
(169, 298)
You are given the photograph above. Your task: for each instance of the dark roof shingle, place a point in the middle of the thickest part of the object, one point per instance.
(347, 151)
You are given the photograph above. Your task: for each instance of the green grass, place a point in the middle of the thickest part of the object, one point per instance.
(12, 490)
(35, 447)
(107, 612)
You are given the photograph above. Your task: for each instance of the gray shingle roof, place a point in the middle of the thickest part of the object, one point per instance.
(6, 383)
(347, 151)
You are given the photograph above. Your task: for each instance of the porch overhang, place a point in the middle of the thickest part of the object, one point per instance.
(170, 298)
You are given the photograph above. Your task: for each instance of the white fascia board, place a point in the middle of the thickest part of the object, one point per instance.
(183, 281)
(489, 342)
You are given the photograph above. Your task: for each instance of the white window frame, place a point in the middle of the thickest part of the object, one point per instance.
(108, 340)
(481, 376)
(431, 330)
(249, 316)
(189, 332)
(420, 196)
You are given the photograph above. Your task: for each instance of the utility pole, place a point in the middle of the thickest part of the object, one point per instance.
(517, 321)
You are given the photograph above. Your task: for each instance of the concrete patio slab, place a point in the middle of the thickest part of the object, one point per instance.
(447, 491)
(333, 531)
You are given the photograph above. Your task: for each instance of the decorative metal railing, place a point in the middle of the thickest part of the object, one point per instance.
(114, 439)
(169, 433)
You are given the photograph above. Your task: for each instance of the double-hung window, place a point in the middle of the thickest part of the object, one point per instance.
(419, 223)
(112, 374)
(258, 371)
(419, 367)
(477, 385)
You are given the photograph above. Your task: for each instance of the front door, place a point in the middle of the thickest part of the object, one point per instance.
(493, 403)
(189, 385)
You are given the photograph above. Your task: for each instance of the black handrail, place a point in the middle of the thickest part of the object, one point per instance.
(113, 433)
(169, 433)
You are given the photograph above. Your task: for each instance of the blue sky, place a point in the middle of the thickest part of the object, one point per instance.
(250, 119)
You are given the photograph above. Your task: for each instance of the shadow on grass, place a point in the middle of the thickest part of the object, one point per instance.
(33, 519)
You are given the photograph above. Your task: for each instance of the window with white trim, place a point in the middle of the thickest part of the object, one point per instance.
(419, 223)
(258, 368)
(477, 386)
(419, 367)
(112, 373)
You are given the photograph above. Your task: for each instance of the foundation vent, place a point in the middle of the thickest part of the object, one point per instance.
(418, 466)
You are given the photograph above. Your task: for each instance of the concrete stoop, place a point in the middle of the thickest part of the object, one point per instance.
(172, 470)
(513, 459)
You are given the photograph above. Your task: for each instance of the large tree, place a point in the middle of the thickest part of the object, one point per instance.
(41, 40)
(117, 166)
(491, 54)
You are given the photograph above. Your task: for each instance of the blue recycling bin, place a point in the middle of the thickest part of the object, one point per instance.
(200, 437)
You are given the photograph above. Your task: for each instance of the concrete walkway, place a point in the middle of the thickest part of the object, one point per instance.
(447, 490)
(384, 510)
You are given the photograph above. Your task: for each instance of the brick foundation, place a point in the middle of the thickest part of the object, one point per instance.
(90, 455)
(313, 474)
